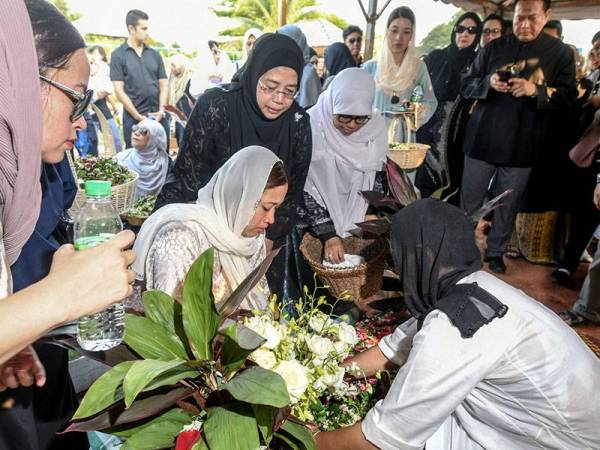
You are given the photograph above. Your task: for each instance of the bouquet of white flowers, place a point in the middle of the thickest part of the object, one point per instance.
(306, 351)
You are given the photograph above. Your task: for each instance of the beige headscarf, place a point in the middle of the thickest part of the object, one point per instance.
(20, 128)
(177, 84)
(389, 77)
(224, 208)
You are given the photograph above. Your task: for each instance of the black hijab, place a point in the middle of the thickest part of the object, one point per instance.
(248, 126)
(445, 66)
(433, 246)
(338, 58)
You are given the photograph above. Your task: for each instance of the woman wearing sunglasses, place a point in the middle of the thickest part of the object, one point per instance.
(445, 67)
(349, 150)
(78, 283)
(148, 157)
(397, 70)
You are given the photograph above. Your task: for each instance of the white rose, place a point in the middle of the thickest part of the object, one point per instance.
(341, 349)
(335, 378)
(264, 358)
(295, 376)
(266, 329)
(347, 334)
(318, 322)
(320, 347)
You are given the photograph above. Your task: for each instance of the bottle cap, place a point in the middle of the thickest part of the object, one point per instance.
(98, 188)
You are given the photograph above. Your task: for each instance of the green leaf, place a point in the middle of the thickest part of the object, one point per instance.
(105, 392)
(200, 445)
(238, 344)
(172, 415)
(152, 341)
(161, 309)
(259, 386)
(154, 437)
(265, 419)
(231, 429)
(118, 416)
(154, 373)
(286, 439)
(200, 318)
(300, 433)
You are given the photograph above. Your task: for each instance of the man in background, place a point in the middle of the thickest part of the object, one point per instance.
(139, 77)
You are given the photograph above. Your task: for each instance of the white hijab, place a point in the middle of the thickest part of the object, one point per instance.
(224, 208)
(389, 77)
(250, 32)
(151, 163)
(342, 166)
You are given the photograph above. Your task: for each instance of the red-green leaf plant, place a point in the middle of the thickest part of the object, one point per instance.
(191, 365)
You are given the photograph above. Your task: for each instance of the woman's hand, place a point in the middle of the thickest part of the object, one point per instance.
(597, 196)
(91, 280)
(23, 369)
(333, 250)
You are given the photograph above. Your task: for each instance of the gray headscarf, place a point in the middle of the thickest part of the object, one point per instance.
(298, 36)
(150, 163)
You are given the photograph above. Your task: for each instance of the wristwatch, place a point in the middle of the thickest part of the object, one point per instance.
(598, 179)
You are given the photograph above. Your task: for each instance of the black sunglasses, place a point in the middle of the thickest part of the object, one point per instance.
(359, 120)
(80, 101)
(460, 29)
(491, 31)
(354, 40)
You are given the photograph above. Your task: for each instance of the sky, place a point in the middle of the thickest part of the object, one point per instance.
(190, 22)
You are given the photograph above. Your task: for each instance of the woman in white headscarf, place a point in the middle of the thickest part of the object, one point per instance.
(397, 70)
(212, 67)
(148, 157)
(349, 149)
(231, 215)
(250, 37)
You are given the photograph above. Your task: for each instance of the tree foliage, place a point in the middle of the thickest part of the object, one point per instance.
(439, 36)
(62, 6)
(264, 14)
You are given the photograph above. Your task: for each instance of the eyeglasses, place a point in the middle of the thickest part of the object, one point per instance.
(460, 29)
(492, 31)
(354, 40)
(142, 131)
(80, 101)
(273, 92)
(358, 120)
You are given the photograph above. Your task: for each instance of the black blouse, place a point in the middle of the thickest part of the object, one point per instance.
(206, 147)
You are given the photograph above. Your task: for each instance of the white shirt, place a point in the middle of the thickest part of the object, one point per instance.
(524, 381)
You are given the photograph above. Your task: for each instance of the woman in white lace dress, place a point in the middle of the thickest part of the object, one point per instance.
(231, 215)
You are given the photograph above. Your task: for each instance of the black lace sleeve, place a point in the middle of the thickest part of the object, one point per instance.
(286, 217)
(315, 217)
(205, 148)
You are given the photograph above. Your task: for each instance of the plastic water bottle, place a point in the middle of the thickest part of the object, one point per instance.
(417, 94)
(98, 221)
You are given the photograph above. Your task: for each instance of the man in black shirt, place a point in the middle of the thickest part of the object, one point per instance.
(138, 75)
(515, 79)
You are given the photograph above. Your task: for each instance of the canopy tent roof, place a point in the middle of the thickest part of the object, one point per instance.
(561, 9)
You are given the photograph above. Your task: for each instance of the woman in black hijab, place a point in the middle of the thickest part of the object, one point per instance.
(337, 58)
(433, 248)
(259, 109)
(445, 67)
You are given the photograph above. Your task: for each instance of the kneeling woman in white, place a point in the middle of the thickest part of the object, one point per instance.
(231, 215)
(483, 366)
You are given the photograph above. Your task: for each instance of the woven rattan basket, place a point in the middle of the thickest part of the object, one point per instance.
(408, 156)
(357, 282)
(122, 197)
(136, 221)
